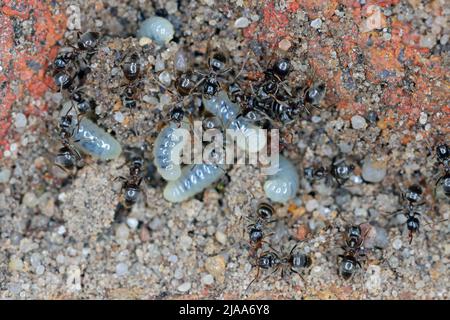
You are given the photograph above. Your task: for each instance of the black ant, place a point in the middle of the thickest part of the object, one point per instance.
(413, 195)
(64, 72)
(271, 259)
(132, 184)
(443, 157)
(353, 250)
(217, 67)
(68, 158)
(339, 170)
(264, 213)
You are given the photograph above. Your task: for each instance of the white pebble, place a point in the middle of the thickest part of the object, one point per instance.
(5, 174)
(61, 230)
(165, 78)
(121, 269)
(221, 237)
(358, 122)
(119, 117)
(242, 22)
(122, 232)
(208, 279)
(423, 118)
(311, 205)
(173, 258)
(397, 244)
(316, 23)
(40, 270)
(184, 287)
(20, 120)
(132, 223)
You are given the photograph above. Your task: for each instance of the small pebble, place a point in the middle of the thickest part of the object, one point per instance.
(208, 279)
(61, 230)
(165, 78)
(311, 205)
(427, 41)
(216, 266)
(20, 120)
(144, 41)
(284, 45)
(159, 64)
(122, 232)
(184, 287)
(423, 118)
(181, 61)
(242, 22)
(121, 269)
(132, 223)
(221, 237)
(316, 23)
(5, 174)
(397, 244)
(173, 258)
(30, 200)
(119, 117)
(40, 270)
(358, 122)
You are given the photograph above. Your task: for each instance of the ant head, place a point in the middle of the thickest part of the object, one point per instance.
(177, 114)
(88, 40)
(217, 62)
(443, 152)
(315, 93)
(354, 231)
(211, 87)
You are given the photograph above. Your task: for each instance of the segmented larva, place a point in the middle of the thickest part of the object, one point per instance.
(222, 107)
(283, 185)
(194, 179)
(167, 150)
(89, 138)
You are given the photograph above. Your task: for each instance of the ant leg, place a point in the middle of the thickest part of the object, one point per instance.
(242, 67)
(299, 274)
(256, 277)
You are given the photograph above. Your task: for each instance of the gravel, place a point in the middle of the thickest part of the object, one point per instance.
(89, 247)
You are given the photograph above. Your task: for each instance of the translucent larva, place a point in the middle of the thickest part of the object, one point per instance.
(194, 179)
(255, 137)
(167, 150)
(227, 112)
(283, 185)
(221, 106)
(158, 29)
(89, 138)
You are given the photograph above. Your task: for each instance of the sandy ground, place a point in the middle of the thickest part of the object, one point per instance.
(63, 237)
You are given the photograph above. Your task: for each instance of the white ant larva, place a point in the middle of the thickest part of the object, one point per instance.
(283, 185)
(167, 150)
(194, 179)
(89, 138)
